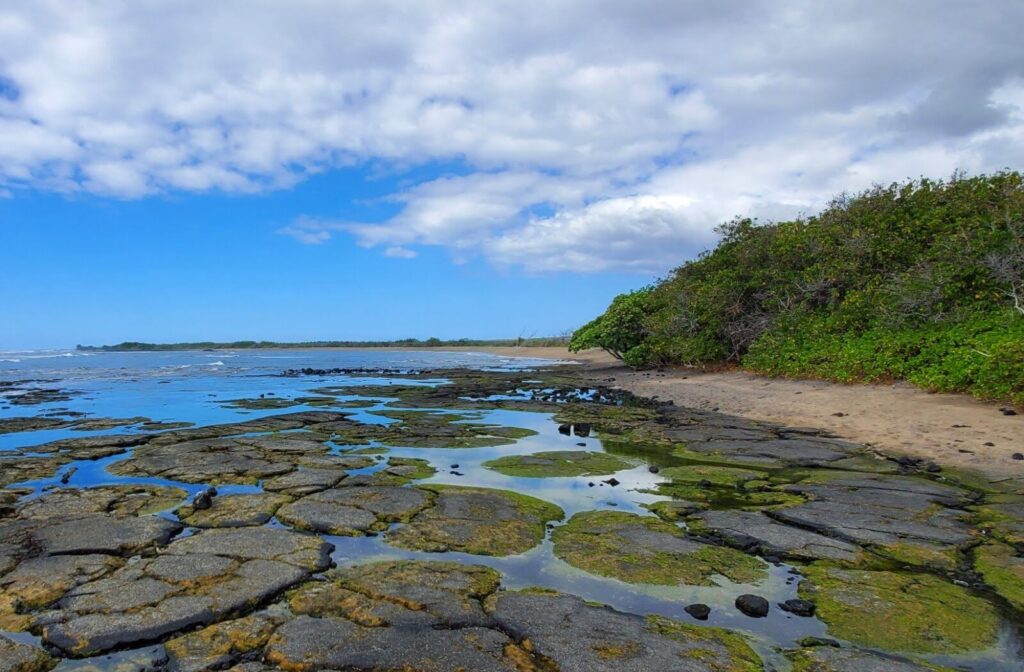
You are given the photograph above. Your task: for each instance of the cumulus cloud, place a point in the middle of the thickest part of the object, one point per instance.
(595, 135)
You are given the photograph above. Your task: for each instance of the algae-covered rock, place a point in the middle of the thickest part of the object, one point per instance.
(205, 461)
(91, 533)
(306, 644)
(834, 659)
(16, 469)
(1003, 517)
(220, 644)
(122, 500)
(429, 429)
(234, 510)
(575, 636)
(558, 463)
(17, 657)
(644, 549)
(753, 530)
(711, 474)
(476, 520)
(401, 593)
(673, 510)
(910, 520)
(198, 580)
(304, 480)
(912, 613)
(354, 510)
(258, 543)
(1003, 569)
(37, 582)
(399, 471)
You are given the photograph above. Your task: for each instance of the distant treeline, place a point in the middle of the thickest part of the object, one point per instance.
(920, 281)
(133, 346)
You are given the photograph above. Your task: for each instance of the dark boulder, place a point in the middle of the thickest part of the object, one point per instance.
(698, 611)
(798, 607)
(754, 606)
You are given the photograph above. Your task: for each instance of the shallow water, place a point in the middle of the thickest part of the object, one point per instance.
(193, 387)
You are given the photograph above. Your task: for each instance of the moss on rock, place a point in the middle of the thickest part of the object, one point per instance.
(558, 463)
(1003, 569)
(483, 521)
(913, 613)
(644, 549)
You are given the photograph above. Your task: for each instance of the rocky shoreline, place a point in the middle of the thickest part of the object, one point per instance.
(230, 546)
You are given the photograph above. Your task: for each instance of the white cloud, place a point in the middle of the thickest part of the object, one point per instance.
(597, 135)
(400, 252)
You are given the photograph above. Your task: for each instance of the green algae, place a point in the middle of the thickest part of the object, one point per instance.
(709, 474)
(674, 510)
(1003, 570)
(558, 463)
(1001, 517)
(645, 549)
(821, 658)
(726, 497)
(913, 613)
(943, 558)
(402, 471)
(739, 657)
(481, 521)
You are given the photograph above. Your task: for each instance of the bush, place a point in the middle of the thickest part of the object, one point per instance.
(919, 281)
(617, 331)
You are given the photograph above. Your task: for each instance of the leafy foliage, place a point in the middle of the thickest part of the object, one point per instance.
(922, 281)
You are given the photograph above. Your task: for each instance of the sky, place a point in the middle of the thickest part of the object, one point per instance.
(373, 170)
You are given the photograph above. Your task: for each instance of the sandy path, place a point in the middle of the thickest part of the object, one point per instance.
(951, 429)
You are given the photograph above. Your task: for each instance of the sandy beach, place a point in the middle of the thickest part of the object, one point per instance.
(951, 429)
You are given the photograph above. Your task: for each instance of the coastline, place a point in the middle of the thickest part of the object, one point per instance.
(952, 429)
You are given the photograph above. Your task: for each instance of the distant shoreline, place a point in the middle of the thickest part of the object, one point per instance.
(414, 344)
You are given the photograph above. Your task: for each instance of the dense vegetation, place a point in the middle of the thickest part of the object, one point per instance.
(129, 346)
(922, 281)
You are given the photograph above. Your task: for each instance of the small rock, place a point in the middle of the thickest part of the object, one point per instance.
(654, 468)
(67, 475)
(565, 429)
(202, 501)
(582, 429)
(590, 485)
(754, 606)
(211, 491)
(582, 444)
(818, 641)
(1007, 411)
(840, 414)
(698, 611)
(798, 607)
(457, 473)
(932, 468)
(1018, 456)
(989, 444)
(611, 481)
(453, 466)
(704, 483)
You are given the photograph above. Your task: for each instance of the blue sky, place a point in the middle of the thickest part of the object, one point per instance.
(384, 169)
(176, 267)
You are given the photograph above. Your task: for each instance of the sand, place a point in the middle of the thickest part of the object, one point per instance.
(951, 429)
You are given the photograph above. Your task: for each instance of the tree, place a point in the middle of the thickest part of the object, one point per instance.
(620, 329)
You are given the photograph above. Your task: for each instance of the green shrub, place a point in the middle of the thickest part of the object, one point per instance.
(915, 281)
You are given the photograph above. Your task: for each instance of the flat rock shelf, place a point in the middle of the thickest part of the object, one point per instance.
(484, 517)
